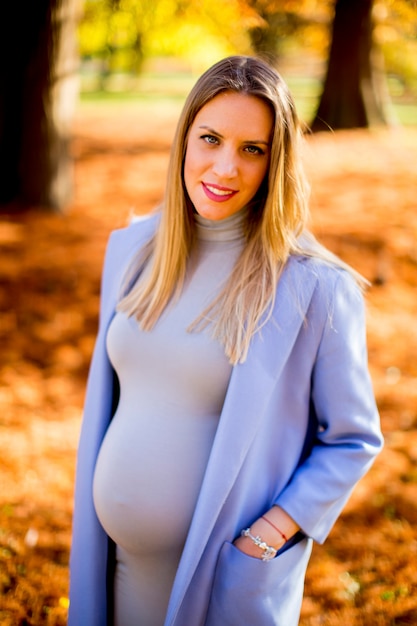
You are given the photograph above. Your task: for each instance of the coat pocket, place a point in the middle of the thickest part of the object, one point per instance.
(251, 592)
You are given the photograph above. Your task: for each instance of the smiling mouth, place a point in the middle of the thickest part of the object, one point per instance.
(218, 193)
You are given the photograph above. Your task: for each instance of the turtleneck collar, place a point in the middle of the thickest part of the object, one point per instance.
(228, 229)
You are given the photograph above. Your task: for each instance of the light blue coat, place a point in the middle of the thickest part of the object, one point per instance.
(299, 428)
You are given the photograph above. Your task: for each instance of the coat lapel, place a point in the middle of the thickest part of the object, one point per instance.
(248, 394)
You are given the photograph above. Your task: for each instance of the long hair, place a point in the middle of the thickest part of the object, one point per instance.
(277, 218)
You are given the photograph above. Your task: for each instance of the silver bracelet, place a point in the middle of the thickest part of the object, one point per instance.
(268, 551)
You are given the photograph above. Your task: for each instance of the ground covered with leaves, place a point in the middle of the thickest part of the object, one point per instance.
(364, 208)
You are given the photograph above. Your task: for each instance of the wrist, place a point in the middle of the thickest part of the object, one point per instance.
(276, 528)
(268, 552)
(285, 526)
(268, 533)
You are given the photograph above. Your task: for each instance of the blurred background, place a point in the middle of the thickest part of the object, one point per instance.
(89, 97)
(349, 63)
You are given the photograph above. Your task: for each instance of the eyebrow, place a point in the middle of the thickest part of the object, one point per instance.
(255, 141)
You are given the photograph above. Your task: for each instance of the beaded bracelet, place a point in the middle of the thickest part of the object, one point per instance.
(268, 551)
(285, 538)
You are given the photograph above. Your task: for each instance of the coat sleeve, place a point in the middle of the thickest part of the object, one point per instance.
(343, 409)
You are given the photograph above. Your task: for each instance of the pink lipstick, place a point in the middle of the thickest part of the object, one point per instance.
(218, 193)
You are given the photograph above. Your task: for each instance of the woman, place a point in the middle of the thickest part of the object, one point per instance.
(229, 411)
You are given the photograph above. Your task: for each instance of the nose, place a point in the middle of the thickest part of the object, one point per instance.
(225, 164)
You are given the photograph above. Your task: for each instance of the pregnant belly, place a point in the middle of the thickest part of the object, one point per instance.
(148, 476)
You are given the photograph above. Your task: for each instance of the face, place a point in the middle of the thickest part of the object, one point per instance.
(227, 155)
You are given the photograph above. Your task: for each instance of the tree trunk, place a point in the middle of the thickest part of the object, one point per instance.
(354, 93)
(38, 63)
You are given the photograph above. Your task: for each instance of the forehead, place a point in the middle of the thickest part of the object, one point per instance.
(237, 112)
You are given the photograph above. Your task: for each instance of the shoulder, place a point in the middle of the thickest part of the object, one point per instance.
(123, 243)
(335, 292)
(122, 246)
(137, 232)
(328, 276)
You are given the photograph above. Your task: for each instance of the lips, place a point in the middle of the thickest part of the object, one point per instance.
(218, 193)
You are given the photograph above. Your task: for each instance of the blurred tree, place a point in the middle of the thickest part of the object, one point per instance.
(38, 69)
(355, 93)
(361, 41)
(203, 31)
(118, 35)
(396, 33)
(114, 32)
(277, 21)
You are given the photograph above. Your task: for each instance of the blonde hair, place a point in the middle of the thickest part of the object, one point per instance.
(277, 217)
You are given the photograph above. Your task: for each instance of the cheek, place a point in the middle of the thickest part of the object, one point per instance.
(195, 164)
(258, 177)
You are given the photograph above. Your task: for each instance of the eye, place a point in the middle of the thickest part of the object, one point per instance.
(210, 139)
(254, 150)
